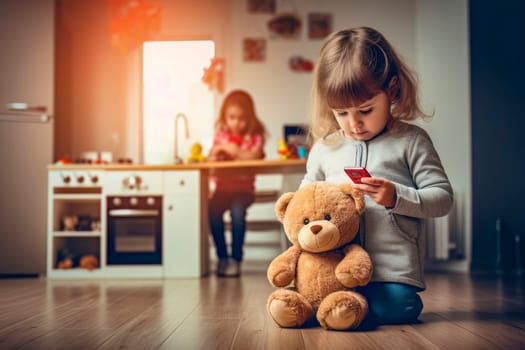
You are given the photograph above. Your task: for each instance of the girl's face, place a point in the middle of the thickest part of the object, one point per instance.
(235, 119)
(365, 121)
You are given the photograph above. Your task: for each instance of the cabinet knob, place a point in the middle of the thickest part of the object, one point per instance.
(66, 178)
(170, 207)
(80, 179)
(94, 179)
(182, 183)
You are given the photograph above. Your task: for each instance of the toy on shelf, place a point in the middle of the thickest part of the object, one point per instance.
(66, 260)
(302, 152)
(292, 150)
(69, 222)
(196, 155)
(283, 150)
(63, 160)
(88, 262)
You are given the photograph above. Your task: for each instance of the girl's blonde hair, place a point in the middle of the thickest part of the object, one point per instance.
(355, 65)
(242, 99)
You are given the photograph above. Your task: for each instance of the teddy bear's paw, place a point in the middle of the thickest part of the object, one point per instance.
(281, 278)
(342, 310)
(355, 277)
(288, 308)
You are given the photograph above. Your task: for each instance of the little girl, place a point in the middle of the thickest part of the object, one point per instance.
(363, 96)
(239, 135)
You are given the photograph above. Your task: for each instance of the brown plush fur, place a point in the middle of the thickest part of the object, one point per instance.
(317, 274)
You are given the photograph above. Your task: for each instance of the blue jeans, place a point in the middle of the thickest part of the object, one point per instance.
(392, 303)
(237, 203)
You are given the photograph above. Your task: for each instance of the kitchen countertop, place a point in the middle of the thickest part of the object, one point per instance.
(265, 166)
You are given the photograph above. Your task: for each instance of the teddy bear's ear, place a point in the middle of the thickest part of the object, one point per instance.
(282, 204)
(357, 195)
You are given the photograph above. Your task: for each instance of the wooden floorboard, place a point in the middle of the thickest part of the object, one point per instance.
(461, 312)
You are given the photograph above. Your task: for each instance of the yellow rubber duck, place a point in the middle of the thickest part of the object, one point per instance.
(196, 155)
(283, 150)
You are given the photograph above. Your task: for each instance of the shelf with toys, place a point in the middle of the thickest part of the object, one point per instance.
(75, 224)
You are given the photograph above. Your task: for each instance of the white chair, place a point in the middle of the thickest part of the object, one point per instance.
(261, 218)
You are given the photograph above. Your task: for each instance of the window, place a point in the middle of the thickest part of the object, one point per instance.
(171, 75)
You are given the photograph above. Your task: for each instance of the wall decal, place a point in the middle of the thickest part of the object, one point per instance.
(286, 26)
(261, 6)
(319, 25)
(254, 49)
(214, 75)
(299, 64)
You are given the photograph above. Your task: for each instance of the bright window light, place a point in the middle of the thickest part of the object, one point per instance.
(172, 73)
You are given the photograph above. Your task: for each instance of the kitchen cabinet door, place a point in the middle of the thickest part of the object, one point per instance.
(185, 237)
(27, 60)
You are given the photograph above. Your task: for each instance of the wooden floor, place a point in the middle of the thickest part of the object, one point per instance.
(461, 312)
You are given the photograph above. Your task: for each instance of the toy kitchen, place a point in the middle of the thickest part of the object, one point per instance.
(136, 221)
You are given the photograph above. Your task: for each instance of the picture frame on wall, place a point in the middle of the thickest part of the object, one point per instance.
(285, 26)
(296, 134)
(261, 6)
(254, 49)
(319, 25)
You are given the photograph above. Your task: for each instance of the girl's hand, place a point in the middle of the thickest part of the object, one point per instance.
(382, 191)
(232, 149)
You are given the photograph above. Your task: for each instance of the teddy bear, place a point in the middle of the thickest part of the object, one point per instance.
(318, 274)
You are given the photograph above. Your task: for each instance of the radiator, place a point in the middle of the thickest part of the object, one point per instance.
(445, 236)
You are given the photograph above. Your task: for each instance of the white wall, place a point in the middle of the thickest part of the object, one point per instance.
(442, 60)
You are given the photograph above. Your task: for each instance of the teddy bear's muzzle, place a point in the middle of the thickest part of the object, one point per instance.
(319, 236)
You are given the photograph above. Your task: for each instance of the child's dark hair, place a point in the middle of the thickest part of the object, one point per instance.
(242, 99)
(355, 65)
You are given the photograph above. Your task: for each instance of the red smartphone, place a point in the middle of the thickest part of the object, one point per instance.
(356, 173)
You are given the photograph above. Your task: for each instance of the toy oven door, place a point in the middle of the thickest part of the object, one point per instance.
(134, 235)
